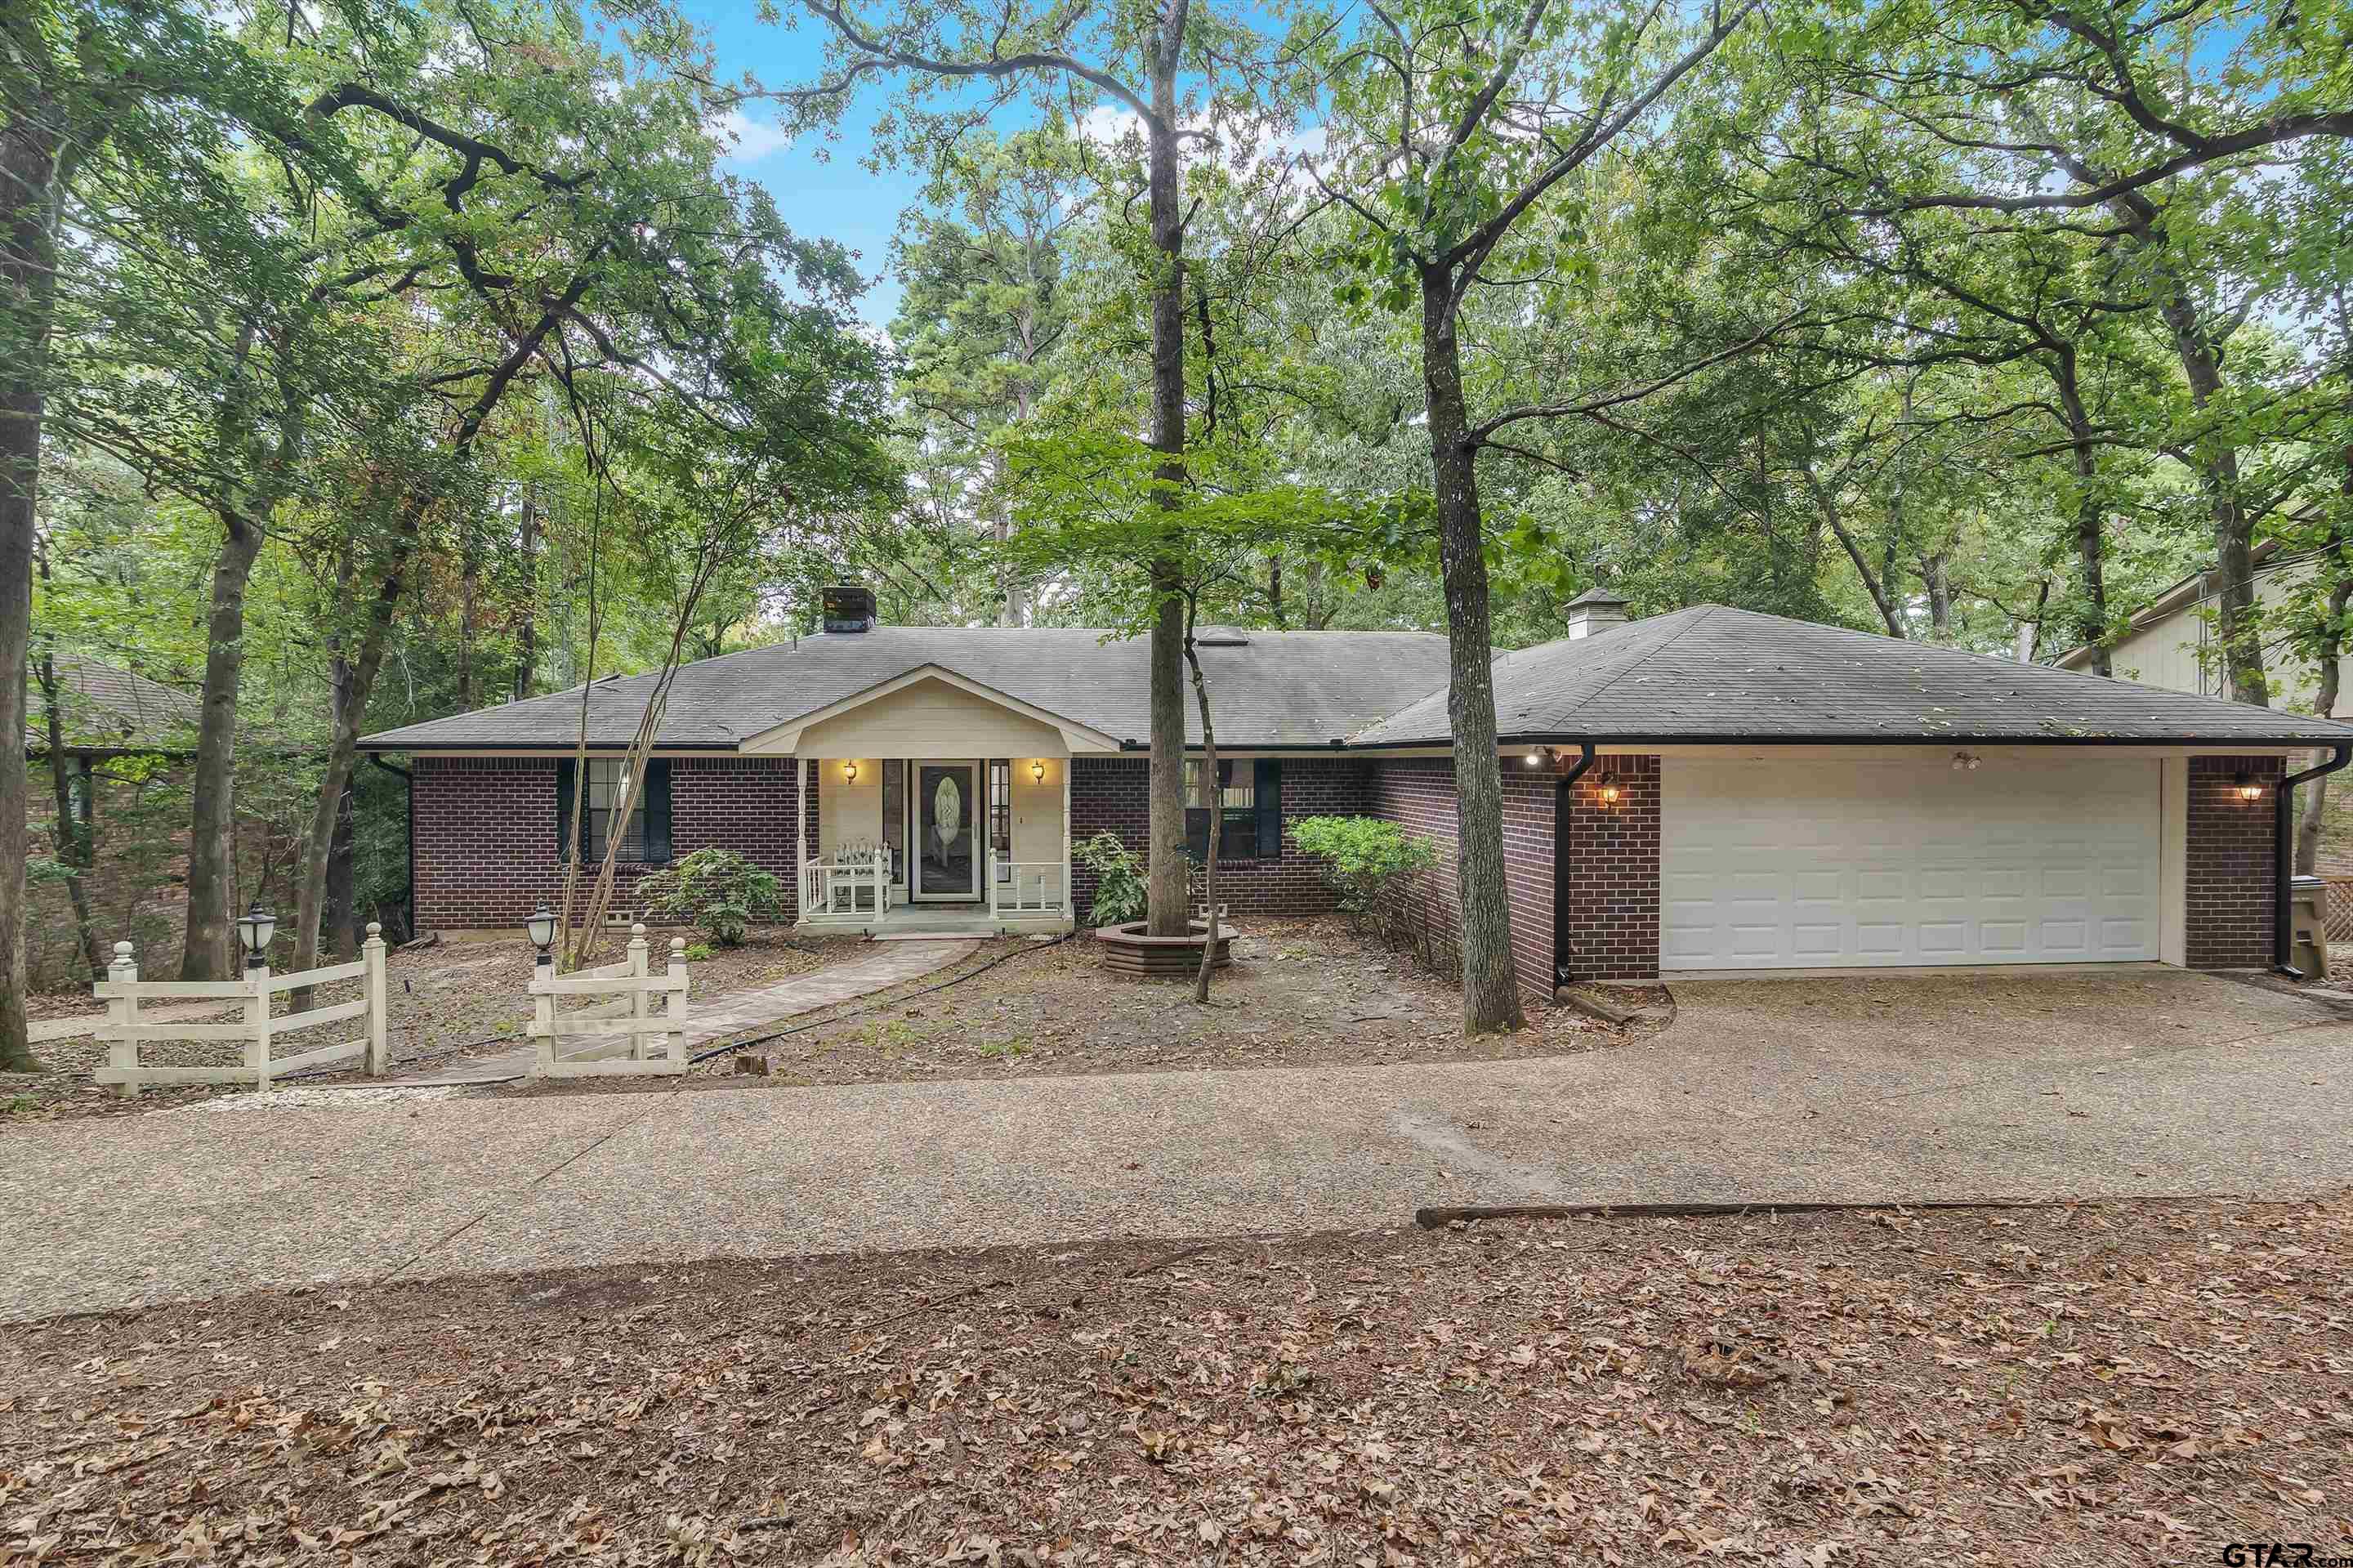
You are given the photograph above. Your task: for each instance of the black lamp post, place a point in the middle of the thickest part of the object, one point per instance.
(255, 928)
(540, 930)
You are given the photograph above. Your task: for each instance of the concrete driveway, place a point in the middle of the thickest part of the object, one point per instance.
(2018, 1086)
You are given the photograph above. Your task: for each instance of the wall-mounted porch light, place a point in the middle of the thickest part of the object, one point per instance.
(849, 772)
(2250, 789)
(1037, 770)
(1538, 756)
(1608, 794)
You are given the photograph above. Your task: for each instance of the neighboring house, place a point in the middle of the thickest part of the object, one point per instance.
(123, 741)
(2171, 643)
(1706, 790)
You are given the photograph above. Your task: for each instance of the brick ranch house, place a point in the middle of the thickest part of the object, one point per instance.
(1703, 791)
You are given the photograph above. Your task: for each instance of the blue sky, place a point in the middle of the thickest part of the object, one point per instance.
(823, 188)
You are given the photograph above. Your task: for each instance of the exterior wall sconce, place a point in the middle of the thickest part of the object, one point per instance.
(849, 771)
(1539, 756)
(254, 928)
(2249, 788)
(1037, 770)
(1608, 794)
(1966, 761)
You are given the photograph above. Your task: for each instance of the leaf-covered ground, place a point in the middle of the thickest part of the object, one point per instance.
(1300, 992)
(2118, 1383)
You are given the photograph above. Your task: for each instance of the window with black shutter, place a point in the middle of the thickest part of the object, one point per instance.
(644, 829)
(1237, 798)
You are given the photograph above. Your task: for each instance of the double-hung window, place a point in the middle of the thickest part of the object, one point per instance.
(643, 828)
(1237, 799)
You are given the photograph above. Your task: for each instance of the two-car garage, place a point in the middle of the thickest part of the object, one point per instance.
(1829, 862)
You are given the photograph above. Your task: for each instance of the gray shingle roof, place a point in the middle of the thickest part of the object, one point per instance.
(1284, 688)
(108, 708)
(1712, 673)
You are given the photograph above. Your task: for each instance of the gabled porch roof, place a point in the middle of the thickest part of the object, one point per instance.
(942, 737)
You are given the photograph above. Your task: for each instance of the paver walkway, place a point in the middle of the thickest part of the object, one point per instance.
(2178, 1084)
(889, 964)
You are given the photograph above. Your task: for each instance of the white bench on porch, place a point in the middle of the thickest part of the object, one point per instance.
(854, 886)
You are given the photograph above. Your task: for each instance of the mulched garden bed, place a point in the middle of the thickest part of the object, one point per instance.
(2131, 1382)
(442, 999)
(1299, 994)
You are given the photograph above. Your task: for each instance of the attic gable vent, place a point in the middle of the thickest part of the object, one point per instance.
(1221, 637)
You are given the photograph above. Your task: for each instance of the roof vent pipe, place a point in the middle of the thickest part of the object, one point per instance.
(1593, 612)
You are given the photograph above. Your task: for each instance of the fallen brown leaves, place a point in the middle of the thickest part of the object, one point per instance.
(2134, 1383)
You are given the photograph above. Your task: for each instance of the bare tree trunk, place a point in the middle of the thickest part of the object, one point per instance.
(72, 829)
(1168, 888)
(212, 849)
(527, 634)
(1491, 991)
(1936, 576)
(350, 685)
(30, 144)
(1214, 789)
(340, 921)
(2090, 512)
(2027, 635)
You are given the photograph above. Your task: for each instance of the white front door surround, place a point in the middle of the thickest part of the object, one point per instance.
(948, 830)
(1818, 862)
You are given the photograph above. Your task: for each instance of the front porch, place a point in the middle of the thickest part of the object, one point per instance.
(936, 920)
(930, 805)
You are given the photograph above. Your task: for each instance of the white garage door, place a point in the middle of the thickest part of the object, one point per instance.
(1828, 864)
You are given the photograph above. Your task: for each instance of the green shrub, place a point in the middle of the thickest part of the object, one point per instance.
(1369, 864)
(696, 952)
(717, 891)
(1119, 878)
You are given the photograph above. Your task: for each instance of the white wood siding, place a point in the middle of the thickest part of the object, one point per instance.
(930, 718)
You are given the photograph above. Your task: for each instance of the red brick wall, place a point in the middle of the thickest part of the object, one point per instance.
(1609, 920)
(1417, 794)
(486, 831)
(2231, 872)
(1108, 793)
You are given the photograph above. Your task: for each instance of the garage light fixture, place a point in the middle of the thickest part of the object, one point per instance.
(1538, 756)
(2249, 788)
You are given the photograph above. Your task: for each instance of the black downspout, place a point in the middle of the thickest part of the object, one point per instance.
(2284, 847)
(1563, 802)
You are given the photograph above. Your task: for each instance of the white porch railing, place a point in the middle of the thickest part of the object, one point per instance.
(259, 1033)
(622, 1037)
(1028, 886)
(853, 885)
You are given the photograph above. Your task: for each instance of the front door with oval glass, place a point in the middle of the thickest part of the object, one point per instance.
(947, 804)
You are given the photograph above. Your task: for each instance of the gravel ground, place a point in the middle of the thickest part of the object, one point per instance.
(2117, 1384)
(442, 999)
(2085, 1085)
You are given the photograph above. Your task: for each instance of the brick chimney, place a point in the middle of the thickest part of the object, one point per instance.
(848, 608)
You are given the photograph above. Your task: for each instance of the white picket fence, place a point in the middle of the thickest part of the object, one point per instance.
(624, 1037)
(259, 1032)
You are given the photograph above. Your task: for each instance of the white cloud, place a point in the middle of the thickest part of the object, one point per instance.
(754, 139)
